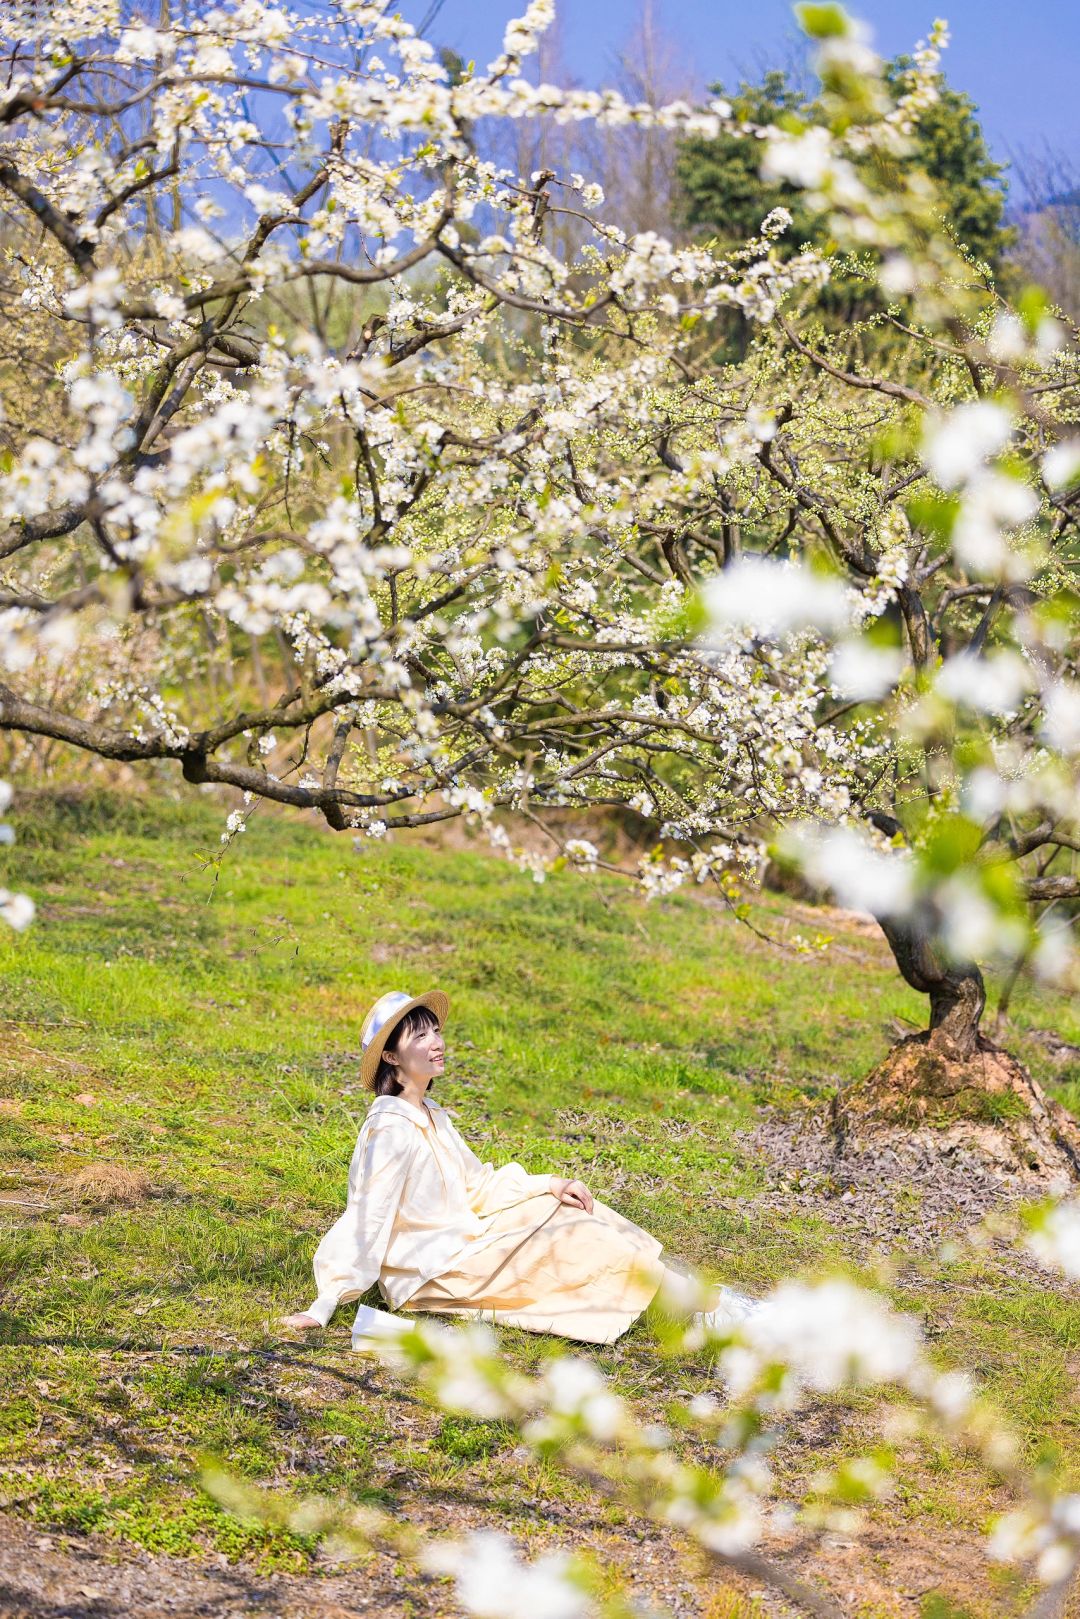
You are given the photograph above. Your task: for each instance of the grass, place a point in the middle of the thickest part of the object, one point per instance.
(178, 1055)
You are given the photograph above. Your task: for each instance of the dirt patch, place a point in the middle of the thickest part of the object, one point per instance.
(61, 1576)
(88, 1577)
(981, 1101)
(101, 1185)
(895, 1572)
(880, 1196)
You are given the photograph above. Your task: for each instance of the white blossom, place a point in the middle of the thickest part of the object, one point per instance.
(995, 685)
(773, 598)
(827, 1334)
(863, 670)
(861, 877)
(492, 1582)
(1061, 724)
(803, 159)
(1055, 1239)
(1061, 464)
(956, 446)
(17, 910)
(582, 853)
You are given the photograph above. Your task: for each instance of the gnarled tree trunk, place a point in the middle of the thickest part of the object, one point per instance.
(952, 1085)
(956, 990)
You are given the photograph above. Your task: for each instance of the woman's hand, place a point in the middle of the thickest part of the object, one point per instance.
(298, 1323)
(576, 1193)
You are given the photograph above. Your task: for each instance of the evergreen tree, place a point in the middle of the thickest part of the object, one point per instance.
(720, 189)
(721, 194)
(952, 149)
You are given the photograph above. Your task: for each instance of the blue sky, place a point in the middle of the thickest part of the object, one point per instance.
(1017, 59)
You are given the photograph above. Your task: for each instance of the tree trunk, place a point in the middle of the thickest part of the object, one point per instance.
(956, 989)
(951, 1087)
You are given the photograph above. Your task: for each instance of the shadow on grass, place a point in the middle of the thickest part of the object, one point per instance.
(82, 1580)
(13, 1337)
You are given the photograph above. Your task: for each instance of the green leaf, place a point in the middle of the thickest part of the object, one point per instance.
(1032, 306)
(934, 514)
(883, 633)
(1002, 887)
(694, 616)
(950, 843)
(823, 21)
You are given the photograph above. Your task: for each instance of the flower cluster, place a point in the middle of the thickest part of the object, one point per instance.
(17, 910)
(509, 534)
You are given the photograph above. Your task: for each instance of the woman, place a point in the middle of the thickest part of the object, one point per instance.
(440, 1230)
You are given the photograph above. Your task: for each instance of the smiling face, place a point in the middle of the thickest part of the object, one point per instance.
(416, 1051)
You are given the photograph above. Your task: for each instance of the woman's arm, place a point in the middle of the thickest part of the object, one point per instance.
(488, 1188)
(350, 1256)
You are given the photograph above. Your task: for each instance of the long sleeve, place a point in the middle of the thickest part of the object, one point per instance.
(488, 1188)
(349, 1258)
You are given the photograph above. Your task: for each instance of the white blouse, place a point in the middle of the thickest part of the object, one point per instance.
(415, 1200)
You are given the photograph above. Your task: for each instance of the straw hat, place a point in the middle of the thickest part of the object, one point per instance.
(384, 1018)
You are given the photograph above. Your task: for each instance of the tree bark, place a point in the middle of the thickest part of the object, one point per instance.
(956, 989)
(952, 1087)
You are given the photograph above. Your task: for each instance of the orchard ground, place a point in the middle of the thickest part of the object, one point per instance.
(178, 1056)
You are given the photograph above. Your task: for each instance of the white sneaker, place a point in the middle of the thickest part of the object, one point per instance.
(731, 1308)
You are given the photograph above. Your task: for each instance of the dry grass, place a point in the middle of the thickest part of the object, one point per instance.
(100, 1185)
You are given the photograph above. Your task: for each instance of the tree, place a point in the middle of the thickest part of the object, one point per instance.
(317, 517)
(1046, 248)
(636, 166)
(721, 188)
(720, 191)
(351, 491)
(978, 561)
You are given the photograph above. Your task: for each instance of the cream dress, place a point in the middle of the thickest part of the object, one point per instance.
(440, 1230)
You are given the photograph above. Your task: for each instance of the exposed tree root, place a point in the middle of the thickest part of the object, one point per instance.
(985, 1102)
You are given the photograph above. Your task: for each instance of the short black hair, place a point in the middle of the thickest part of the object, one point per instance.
(386, 1083)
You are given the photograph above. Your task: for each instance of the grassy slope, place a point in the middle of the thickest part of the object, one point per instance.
(208, 1037)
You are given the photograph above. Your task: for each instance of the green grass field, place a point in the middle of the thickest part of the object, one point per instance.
(199, 1030)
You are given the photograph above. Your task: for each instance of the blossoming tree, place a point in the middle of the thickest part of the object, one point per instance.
(328, 478)
(946, 471)
(301, 445)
